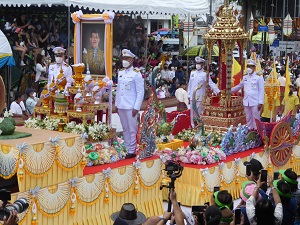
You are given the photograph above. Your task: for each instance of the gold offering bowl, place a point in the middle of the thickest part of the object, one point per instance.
(78, 77)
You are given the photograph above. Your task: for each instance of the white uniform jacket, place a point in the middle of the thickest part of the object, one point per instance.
(54, 71)
(130, 89)
(253, 89)
(198, 77)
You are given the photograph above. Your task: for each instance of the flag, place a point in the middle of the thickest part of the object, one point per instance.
(236, 74)
(251, 23)
(287, 25)
(271, 31)
(288, 78)
(277, 95)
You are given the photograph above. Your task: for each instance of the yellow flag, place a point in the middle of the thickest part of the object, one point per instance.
(236, 74)
(277, 86)
(288, 78)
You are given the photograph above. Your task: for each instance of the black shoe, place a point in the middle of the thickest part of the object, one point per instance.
(130, 155)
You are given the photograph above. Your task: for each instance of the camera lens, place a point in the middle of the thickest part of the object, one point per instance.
(20, 206)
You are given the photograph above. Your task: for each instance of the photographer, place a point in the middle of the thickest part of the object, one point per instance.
(12, 219)
(178, 214)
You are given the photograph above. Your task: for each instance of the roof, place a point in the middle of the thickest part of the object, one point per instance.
(183, 7)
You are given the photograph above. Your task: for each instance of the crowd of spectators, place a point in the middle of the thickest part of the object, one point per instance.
(277, 205)
(31, 35)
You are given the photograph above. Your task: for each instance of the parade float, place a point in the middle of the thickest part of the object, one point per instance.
(50, 165)
(63, 189)
(220, 144)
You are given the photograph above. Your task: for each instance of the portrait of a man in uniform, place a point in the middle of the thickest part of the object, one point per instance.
(92, 36)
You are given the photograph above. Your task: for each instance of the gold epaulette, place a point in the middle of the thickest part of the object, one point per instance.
(66, 64)
(136, 69)
(122, 69)
(52, 63)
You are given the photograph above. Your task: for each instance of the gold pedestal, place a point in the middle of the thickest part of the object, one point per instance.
(63, 117)
(91, 107)
(41, 110)
(83, 116)
(221, 114)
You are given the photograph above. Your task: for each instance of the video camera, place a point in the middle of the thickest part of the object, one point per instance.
(20, 205)
(174, 171)
(173, 168)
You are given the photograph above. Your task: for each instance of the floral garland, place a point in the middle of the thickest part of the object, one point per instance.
(200, 156)
(95, 131)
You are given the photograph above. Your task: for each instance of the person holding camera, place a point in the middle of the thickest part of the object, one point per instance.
(262, 212)
(12, 219)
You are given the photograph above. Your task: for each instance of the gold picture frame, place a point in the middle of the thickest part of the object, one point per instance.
(88, 29)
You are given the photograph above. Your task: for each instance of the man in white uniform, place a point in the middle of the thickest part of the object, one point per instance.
(54, 68)
(253, 94)
(129, 98)
(199, 77)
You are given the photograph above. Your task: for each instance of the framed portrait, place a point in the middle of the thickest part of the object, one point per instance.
(93, 42)
(92, 46)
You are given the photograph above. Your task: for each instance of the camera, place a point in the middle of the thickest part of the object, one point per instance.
(174, 171)
(20, 205)
(172, 167)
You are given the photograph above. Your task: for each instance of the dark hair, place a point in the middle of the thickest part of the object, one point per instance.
(94, 32)
(182, 82)
(18, 95)
(282, 72)
(39, 58)
(264, 212)
(213, 215)
(284, 187)
(293, 176)
(224, 197)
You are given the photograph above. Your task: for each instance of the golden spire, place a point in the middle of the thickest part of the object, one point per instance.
(226, 26)
(226, 3)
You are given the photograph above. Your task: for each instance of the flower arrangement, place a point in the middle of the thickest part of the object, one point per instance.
(98, 154)
(216, 138)
(45, 124)
(200, 155)
(164, 139)
(96, 131)
(186, 135)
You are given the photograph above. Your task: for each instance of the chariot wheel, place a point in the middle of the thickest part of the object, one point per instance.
(281, 144)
